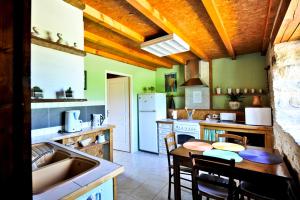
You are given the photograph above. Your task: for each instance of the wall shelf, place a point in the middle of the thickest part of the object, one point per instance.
(53, 45)
(248, 94)
(56, 100)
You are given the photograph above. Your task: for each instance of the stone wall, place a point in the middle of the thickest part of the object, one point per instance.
(284, 78)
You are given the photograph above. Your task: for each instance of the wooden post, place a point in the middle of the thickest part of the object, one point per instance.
(15, 118)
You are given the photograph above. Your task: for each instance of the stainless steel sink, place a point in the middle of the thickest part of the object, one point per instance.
(60, 166)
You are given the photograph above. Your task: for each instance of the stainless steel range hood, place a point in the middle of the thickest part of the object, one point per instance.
(192, 73)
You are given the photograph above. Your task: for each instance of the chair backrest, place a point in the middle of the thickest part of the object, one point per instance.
(170, 141)
(182, 138)
(241, 139)
(215, 166)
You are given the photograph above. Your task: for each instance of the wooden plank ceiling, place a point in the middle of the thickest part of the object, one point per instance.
(213, 28)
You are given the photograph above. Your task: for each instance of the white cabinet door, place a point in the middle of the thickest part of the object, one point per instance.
(148, 140)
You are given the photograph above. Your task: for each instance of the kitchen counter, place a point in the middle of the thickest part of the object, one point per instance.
(80, 185)
(85, 182)
(218, 123)
(40, 137)
(265, 131)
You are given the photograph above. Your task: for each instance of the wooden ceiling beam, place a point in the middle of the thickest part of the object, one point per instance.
(278, 22)
(215, 16)
(151, 13)
(266, 38)
(108, 22)
(76, 3)
(131, 52)
(118, 58)
(290, 22)
(177, 58)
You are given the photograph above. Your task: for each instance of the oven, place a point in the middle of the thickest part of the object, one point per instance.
(187, 127)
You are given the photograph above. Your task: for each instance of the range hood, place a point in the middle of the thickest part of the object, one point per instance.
(192, 73)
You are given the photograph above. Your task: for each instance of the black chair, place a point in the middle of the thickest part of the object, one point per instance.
(261, 191)
(209, 185)
(182, 138)
(170, 141)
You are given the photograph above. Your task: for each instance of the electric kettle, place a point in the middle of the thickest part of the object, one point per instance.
(97, 120)
(72, 122)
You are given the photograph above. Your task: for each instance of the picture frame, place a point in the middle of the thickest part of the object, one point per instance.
(85, 80)
(171, 82)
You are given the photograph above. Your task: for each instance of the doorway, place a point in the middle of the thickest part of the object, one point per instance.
(118, 108)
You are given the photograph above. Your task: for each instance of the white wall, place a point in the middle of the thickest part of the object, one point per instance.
(54, 70)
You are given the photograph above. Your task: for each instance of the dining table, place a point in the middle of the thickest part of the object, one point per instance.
(245, 170)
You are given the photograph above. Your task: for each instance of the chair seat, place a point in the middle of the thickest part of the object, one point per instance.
(258, 191)
(213, 185)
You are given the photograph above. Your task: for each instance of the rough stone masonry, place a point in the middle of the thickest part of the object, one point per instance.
(285, 99)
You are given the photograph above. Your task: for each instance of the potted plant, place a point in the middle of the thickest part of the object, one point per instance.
(151, 89)
(69, 93)
(235, 100)
(37, 92)
(145, 89)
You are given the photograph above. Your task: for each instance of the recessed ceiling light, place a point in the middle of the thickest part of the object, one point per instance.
(165, 45)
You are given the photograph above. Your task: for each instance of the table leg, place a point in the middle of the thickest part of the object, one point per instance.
(176, 168)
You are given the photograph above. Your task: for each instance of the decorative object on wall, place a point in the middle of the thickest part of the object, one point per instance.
(235, 100)
(61, 94)
(256, 101)
(36, 93)
(172, 103)
(218, 90)
(35, 31)
(229, 90)
(171, 82)
(85, 80)
(60, 40)
(69, 93)
(48, 37)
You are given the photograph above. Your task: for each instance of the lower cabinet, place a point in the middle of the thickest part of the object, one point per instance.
(163, 129)
(102, 192)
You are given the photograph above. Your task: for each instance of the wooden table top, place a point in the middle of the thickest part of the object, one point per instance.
(249, 167)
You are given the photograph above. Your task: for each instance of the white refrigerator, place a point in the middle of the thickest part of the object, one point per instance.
(151, 107)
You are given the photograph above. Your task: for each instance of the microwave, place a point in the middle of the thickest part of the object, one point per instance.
(258, 116)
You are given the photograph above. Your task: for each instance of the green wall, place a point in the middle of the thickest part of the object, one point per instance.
(96, 67)
(160, 83)
(247, 71)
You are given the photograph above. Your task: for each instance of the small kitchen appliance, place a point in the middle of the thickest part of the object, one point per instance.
(258, 116)
(97, 120)
(228, 117)
(72, 121)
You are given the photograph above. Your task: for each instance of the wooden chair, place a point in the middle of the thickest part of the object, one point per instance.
(170, 141)
(212, 186)
(239, 139)
(182, 138)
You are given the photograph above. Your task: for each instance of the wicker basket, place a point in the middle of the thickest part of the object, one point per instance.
(93, 149)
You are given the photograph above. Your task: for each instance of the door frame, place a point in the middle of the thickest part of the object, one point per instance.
(130, 100)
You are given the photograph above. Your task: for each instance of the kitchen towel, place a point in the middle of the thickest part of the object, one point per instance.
(223, 154)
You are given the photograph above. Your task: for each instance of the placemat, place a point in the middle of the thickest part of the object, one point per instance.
(260, 156)
(197, 146)
(223, 154)
(227, 146)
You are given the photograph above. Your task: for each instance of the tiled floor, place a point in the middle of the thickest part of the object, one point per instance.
(145, 177)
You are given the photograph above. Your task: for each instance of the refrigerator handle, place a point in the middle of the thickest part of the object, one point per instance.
(147, 110)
